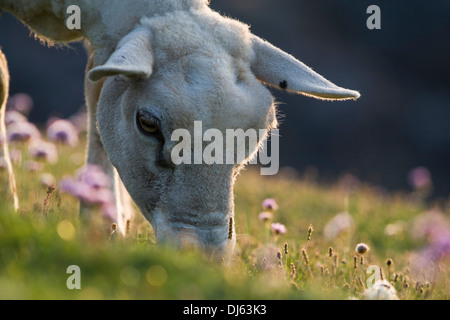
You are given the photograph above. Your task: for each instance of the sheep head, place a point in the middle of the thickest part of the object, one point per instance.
(169, 72)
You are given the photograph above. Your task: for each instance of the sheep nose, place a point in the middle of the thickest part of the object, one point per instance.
(215, 243)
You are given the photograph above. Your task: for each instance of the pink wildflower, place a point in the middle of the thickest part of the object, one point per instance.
(62, 131)
(269, 204)
(278, 228)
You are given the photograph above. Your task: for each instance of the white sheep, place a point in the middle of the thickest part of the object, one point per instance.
(159, 65)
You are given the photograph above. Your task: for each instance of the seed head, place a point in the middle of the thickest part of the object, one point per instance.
(362, 248)
(310, 230)
(230, 229)
(50, 190)
(293, 271)
(279, 255)
(305, 256)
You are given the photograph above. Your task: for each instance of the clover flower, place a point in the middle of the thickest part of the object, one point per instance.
(92, 187)
(47, 179)
(424, 261)
(269, 205)
(80, 120)
(62, 131)
(395, 228)
(22, 132)
(338, 224)
(381, 290)
(20, 102)
(94, 176)
(43, 150)
(265, 216)
(440, 247)
(13, 116)
(32, 166)
(278, 228)
(419, 177)
(429, 224)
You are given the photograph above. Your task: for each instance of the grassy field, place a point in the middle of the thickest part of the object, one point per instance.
(40, 242)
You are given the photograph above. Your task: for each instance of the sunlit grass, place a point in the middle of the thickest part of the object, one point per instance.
(38, 243)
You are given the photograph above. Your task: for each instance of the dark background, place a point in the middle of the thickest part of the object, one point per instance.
(401, 121)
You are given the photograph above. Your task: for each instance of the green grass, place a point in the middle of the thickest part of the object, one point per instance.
(37, 244)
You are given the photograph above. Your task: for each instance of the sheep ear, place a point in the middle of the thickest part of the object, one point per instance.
(133, 57)
(281, 70)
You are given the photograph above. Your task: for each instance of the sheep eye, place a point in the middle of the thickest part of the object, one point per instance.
(148, 124)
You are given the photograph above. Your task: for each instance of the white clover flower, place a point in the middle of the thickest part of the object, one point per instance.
(381, 290)
(340, 223)
(47, 179)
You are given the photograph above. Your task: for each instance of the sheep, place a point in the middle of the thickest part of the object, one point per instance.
(160, 65)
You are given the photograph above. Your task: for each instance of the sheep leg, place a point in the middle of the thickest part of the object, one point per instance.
(97, 155)
(4, 91)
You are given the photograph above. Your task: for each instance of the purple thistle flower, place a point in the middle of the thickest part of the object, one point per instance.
(13, 116)
(109, 211)
(440, 247)
(21, 102)
(43, 150)
(265, 216)
(278, 228)
(424, 261)
(32, 166)
(62, 131)
(428, 225)
(92, 187)
(419, 177)
(94, 176)
(269, 204)
(22, 132)
(80, 120)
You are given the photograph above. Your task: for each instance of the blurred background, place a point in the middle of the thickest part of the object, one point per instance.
(401, 122)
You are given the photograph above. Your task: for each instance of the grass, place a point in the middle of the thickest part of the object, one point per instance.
(40, 242)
